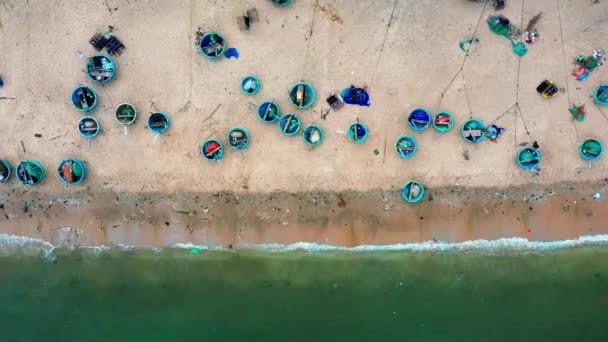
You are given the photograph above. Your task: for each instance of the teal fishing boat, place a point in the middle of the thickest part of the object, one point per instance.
(591, 149)
(528, 158)
(212, 45)
(158, 122)
(289, 124)
(250, 85)
(238, 138)
(473, 131)
(313, 135)
(302, 95)
(600, 94)
(280, 2)
(88, 127)
(412, 191)
(100, 68)
(71, 171)
(443, 121)
(5, 170)
(212, 149)
(125, 114)
(357, 132)
(419, 119)
(84, 98)
(268, 111)
(405, 146)
(29, 172)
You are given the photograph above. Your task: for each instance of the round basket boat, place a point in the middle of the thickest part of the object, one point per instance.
(412, 191)
(158, 122)
(72, 171)
(280, 2)
(100, 68)
(29, 172)
(419, 119)
(5, 171)
(212, 149)
(212, 45)
(472, 131)
(357, 132)
(125, 114)
(289, 124)
(250, 85)
(528, 158)
(591, 149)
(405, 146)
(600, 94)
(238, 138)
(84, 98)
(313, 135)
(443, 121)
(302, 95)
(88, 127)
(268, 111)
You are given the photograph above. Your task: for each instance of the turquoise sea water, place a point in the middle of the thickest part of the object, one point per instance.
(120, 295)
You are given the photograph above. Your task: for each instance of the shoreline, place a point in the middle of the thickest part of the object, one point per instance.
(230, 220)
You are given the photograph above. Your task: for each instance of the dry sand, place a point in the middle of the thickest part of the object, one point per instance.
(406, 61)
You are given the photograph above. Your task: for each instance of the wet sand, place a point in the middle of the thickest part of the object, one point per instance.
(235, 220)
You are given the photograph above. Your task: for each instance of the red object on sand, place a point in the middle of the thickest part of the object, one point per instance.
(442, 119)
(66, 171)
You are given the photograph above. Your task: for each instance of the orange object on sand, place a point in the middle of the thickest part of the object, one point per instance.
(66, 171)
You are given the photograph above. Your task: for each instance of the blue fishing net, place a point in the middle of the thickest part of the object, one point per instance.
(357, 96)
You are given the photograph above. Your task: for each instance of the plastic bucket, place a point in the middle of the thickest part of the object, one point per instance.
(361, 131)
(83, 98)
(405, 146)
(280, 2)
(302, 95)
(414, 197)
(100, 68)
(88, 127)
(214, 154)
(5, 171)
(71, 171)
(158, 122)
(472, 124)
(600, 94)
(528, 158)
(419, 119)
(207, 42)
(250, 85)
(313, 135)
(591, 149)
(268, 111)
(238, 138)
(289, 124)
(29, 172)
(125, 113)
(440, 125)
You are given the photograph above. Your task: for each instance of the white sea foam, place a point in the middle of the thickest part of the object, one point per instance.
(14, 244)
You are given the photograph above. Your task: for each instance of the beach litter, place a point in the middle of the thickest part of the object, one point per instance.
(547, 89)
(493, 132)
(335, 101)
(578, 112)
(501, 26)
(469, 44)
(244, 22)
(1, 82)
(587, 64)
(109, 41)
(530, 32)
(232, 52)
(356, 96)
(597, 195)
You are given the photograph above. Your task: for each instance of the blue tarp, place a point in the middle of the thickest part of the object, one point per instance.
(357, 96)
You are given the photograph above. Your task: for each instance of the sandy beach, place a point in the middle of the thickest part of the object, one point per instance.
(145, 192)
